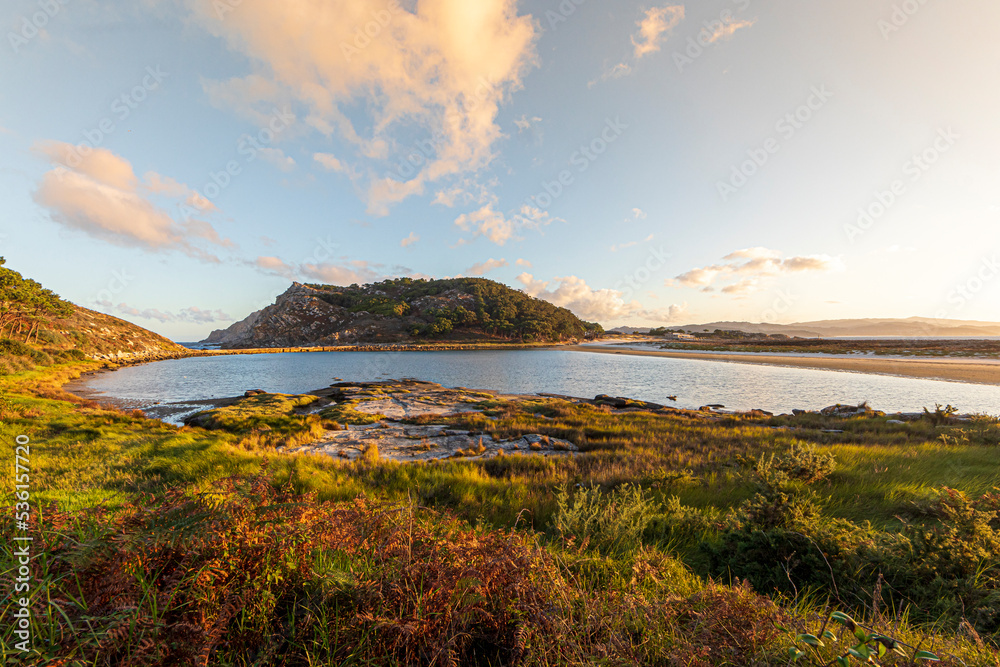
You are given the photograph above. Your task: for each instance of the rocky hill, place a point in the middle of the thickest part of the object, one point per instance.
(402, 311)
(108, 338)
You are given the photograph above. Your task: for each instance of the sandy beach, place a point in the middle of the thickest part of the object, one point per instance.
(982, 371)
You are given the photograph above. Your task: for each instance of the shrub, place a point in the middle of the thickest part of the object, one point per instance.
(941, 415)
(611, 522)
(801, 462)
(725, 625)
(949, 569)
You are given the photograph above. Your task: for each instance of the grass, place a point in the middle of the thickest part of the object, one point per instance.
(212, 548)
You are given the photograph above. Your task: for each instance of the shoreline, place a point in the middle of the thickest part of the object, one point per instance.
(951, 370)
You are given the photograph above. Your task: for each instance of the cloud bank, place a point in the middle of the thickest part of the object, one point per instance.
(438, 73)
(94, 191)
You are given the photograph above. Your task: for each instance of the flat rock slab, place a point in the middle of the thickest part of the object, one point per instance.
(403, 442)
(404, 407)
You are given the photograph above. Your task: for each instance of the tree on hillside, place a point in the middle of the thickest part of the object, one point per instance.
(25, 305)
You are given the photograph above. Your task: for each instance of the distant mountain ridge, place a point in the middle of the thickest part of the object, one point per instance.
(915, 327)
(403, 310)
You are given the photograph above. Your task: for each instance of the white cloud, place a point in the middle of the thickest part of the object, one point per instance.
(523, 124)
(615, 72)
(725, 30)
(489, 223)
(330, 162)
(339, 274)
(442, 69)
(466, 192)
(603, 305)
(638, 214)
(654, 25)
(409, 240)
(524, 263)
(497, 227)
(482, 268)
(746, 270)
(277, 157)
(275, 266)
(99, 194)
(344, 272)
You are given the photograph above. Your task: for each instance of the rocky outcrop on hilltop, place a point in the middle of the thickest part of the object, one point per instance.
(301, 318)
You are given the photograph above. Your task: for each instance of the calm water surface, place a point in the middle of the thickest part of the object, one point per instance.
(694, 382)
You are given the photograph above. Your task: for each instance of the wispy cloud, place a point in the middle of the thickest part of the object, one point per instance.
(409, 240)
(725, 30)
(630, 244)
(523, 124)
(277, 157)
(654, 27)
(745, 271)
(342, 272)
(482, 268)
(500, 228)
(97, 192)
(192, 314)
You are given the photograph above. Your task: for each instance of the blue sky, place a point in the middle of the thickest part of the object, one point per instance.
(178, 163)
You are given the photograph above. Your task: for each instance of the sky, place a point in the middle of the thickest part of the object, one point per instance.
(178, 163)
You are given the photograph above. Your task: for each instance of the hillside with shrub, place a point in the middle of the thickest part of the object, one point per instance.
(38, 328)
(405, 310)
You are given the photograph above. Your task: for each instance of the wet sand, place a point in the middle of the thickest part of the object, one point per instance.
(981, 371)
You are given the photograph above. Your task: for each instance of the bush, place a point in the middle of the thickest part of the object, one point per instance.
(611, 522)
(801, 462)
(949, 569)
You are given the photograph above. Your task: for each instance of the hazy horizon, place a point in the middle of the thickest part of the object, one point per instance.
(177, 163)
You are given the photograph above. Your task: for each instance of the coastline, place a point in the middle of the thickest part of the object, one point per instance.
(952, 370)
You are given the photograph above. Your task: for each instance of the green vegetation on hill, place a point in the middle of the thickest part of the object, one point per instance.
(25, 305)
(490, 308)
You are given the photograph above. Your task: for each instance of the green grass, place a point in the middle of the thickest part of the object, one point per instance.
(698, 472)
